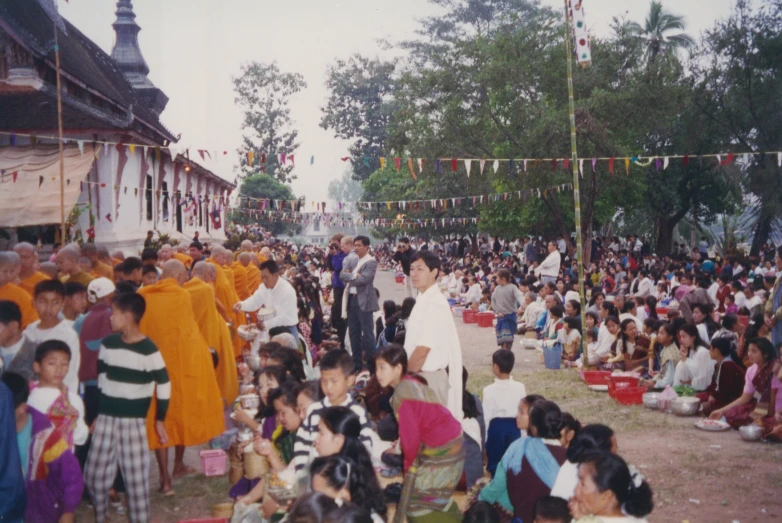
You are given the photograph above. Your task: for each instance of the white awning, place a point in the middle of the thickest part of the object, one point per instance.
(30, 186)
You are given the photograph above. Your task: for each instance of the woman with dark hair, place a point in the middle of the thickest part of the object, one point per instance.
(340, 478)
(668, 358)
(757, 328)
(590, 437)
(609, 491)
(728, 381)
(630, 350)
(651, 307)
(729, 330)
(696, 366)
(290, 360)
(701, 316)
(339, 431)
(762, 396)
(595, 302)
(530, 466)
(430, 438)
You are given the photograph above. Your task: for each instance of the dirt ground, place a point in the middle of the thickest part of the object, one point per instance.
(696, 476)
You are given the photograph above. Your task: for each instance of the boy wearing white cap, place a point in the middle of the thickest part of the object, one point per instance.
(94, 327)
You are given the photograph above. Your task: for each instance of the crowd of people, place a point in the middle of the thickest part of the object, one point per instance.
(106, 357)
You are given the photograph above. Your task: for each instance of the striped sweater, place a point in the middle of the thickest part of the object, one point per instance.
(128, 376)
(304, 450)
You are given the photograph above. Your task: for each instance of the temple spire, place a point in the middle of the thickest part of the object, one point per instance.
(127, 54)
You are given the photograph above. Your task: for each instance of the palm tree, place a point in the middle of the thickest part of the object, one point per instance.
(656, 33)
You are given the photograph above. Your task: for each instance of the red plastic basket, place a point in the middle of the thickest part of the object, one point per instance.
(630, 395)
(620, 382)
(400, 278)
(470, 316)
(485, 319)
(213, 462)
(595, 377)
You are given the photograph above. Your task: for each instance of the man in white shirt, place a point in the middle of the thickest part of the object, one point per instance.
(431, 342)
(548, 270)
(501, 399)
(561, 245)
(645, 286)
(277, 294)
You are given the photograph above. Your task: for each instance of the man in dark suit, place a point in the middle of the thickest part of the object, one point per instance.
(358, 273)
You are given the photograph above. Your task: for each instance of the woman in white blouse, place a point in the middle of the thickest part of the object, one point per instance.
(473, 295)
(696, 367)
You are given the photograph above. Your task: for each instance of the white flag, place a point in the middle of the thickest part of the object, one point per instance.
(496, 166)
(468, 166)
(581, 166)
(482, 164)
(665, 163)
(80, 143)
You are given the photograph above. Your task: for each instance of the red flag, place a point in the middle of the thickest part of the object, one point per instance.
(345, 159)
(14, 175)
(397, 163)
(454, 164)
(291, 159)
(611, 165)
(201, 152)
(566, 162)
(554, 164)
(108, 217)
(728, 160)
(686, 160)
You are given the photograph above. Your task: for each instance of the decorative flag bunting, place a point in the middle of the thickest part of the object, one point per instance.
(467, 166)
(482, 164)
(382, 163)
(496, 166)
(410, 166)
(397, 163)
(437, 166)
(454, 164)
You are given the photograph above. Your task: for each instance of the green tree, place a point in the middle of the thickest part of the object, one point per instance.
(662, 33)
(264, 93)
(360, 107)
(264, 187)
(346, 189)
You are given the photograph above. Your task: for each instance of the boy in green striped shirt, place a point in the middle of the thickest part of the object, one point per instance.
(130, 371)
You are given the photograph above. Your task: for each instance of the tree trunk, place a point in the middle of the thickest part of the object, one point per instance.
(664, 235)
(761, 233)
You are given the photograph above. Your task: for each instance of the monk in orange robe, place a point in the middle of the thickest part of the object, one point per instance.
(99, 269)
(195, 413)
(9, 268)
(253, 272)
(240, 280)
(184, 258)
(214, 328)
(227, 295)
(29, 275)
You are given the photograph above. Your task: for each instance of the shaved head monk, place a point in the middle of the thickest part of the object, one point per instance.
(240, 277)
(165, 253)
(227, 295)
(214, 328)
(9, 265)
(29, 272)
(195, 412)
(248, 260)
(68, 263)
(99, 269)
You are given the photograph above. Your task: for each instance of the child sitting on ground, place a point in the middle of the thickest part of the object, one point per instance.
(63, 407)
(53, 480)
(591, 338)
(130, 372)
(336, 377)
(571, 339)
(49, 296)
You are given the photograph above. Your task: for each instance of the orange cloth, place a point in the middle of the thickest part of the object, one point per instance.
(29, 283)
(16, 294)
(261, 258)
(116, 261)
(101, 270)
(253, 277)
(195, 412)
(240, 280)
(217, 336)
(184, 258)
(226, 293)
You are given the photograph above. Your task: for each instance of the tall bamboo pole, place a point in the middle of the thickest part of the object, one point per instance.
(59, 127)
(576, 188)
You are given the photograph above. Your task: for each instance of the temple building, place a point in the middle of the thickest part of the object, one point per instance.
(123, 171)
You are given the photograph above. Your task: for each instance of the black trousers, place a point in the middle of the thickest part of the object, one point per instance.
(336, 315)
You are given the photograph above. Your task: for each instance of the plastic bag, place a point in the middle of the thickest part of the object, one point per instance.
(247, 513)
(665, 399)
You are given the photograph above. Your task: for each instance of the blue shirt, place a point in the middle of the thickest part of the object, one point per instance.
(336, 264)
(13, 499)
(23, 440)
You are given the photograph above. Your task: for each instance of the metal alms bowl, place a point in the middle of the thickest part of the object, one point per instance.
(685, 406)
(751, 432)
(250, 401)
(650, 400)
(265, 314)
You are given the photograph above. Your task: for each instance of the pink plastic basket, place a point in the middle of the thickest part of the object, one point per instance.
(213, 462)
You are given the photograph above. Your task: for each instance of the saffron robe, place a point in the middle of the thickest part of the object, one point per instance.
(184, 258)
(16, 294)
(195, 412)
(226, 294)
(240, 280)
(253, 278)
(29, 283)
(217, 336)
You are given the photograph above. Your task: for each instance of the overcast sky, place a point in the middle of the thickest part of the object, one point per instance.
(194, 47)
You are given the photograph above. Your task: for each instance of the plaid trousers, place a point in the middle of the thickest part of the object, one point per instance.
(123, 442)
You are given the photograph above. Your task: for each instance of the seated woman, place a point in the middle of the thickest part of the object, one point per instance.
(728, 382)
(696, 366)
(554, 324)
(669, 357)
(757, 328)
(473, 295)
(530, 466)
(762, 396)
(701, 316)
(630, 350)
(342, 479)
(609, 492)
(570, 337)
(430, 438)
(590, 437)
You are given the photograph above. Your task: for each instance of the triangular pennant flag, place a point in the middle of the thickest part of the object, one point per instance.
(496, 166)
(421, 165)
(250, 158)
(14, 175)
(657, 163)
(291, 158)
(581, 166)
(80, 144)
(686, 160)
(312, 159)
(283, 158)
(611, 165)
(382, 163)
(365, 161)
(627, 165)
(566, 163)
(40, 181)
(779, 159)
(108, 217)
(437, 166)
(345, 158)
(467, 166)
(482, 164)
(12, 139)
(410, 166)
(594, 164)
(511, 167)
(728, 160)
(554, 163)
(525, 165)
(719, 159)
(665, 163)
(397, 163)
(454, 164)
(201, 154)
